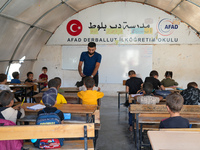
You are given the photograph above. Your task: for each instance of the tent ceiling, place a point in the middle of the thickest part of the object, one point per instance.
(27, 24)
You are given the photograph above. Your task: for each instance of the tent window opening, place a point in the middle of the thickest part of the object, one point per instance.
(15, 67)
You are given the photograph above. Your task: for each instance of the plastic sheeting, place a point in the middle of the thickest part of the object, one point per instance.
(10, 34)
(3, 67)
(31, 46)
(53, 19)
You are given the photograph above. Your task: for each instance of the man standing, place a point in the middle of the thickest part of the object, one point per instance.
(91, 61)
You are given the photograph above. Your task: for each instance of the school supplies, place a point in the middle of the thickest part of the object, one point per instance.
(36, 107)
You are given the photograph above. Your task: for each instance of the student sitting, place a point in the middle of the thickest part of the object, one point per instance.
(133, 84)
(174, 103)
(29, 79)
(191, 95)
(90, 97)
(7, 112)
(3, 81)
(49, 100)
(168, 81)
(83, 88)
(44, 76)
(148, 98)
(59, 81)
(54, 83)
(153, 79)
(16, 78)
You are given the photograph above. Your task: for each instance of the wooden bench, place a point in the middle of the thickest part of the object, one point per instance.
(69, 131)
(175, 138)
(155, 113)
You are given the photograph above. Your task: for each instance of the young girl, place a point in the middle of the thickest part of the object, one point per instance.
(168, 81)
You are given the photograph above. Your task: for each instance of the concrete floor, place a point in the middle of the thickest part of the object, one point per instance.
(114, 133)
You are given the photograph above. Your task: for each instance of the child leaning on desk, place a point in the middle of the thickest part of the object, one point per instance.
(54, 83)
(6, 111)
(174, 103)
(90, 97)
(148, 97)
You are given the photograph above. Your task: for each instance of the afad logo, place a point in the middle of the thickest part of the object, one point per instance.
(74, 27)
(165, 27)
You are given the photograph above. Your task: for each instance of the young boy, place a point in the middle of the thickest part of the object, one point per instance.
(3, 81)
(133, 84)
(7, 112)
(54, 83)
(90, 97)
(168, 81)
(16, 78)
(191, 95)
(44, 76)
(83, 88)
(59, 81)
(49, 100)
(153, 79)
(29, 79)
(174, 103)
(148, 98)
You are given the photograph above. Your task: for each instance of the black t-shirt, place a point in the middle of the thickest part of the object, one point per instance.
(52, 110)
(155, 82)
(134, 84)
(27, 80)
(174, 122)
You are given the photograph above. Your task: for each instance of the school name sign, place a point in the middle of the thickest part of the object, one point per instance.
(133, 24)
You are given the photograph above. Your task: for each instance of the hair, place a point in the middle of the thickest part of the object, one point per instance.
(91, 44)
(89, 82)
(153, 73)
(44, 68)
(59, 79)
(53, 83)
(192, 84)
(6, 97)
(131, 72)
(175, 102)
(168, 74)
(29, 74)
(148, 88)
(15, 74)
(3, 77)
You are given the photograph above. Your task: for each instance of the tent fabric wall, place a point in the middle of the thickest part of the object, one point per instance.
(44, 16)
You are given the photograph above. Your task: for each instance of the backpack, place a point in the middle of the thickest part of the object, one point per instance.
(45, 119)
(10, 144)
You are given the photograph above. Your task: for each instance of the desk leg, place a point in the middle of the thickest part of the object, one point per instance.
(140, 135)
(134, 131)
(137, 132)
(39, 87)
(32, 94)
(118, 101)
(25, 89)
(87, 118)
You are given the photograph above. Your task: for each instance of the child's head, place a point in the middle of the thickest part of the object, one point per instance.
(15, 75)
(3, 78)
(59, 80)
(174, 102)
(30, 75)
(89, 82)
(53, 83)
(49, 97)
(131, 73)
(168, 74)
(192, 84)
(6, 98)
(44, 70)
(147, 88)
(154, 74)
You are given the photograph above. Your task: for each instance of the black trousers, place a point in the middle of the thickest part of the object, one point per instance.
(96, 79)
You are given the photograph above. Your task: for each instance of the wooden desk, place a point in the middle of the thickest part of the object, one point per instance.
(119, 93)
(23, 86)
(71, 98)
(174, 140)
(66, 89)
(137, 109)
(39, 84)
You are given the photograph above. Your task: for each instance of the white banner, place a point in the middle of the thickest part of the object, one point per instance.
(123, 23)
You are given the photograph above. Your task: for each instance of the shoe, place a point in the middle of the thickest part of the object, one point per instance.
(131, 128)
(126, 104)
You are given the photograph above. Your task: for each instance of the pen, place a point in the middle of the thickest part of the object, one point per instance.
(23, 101)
